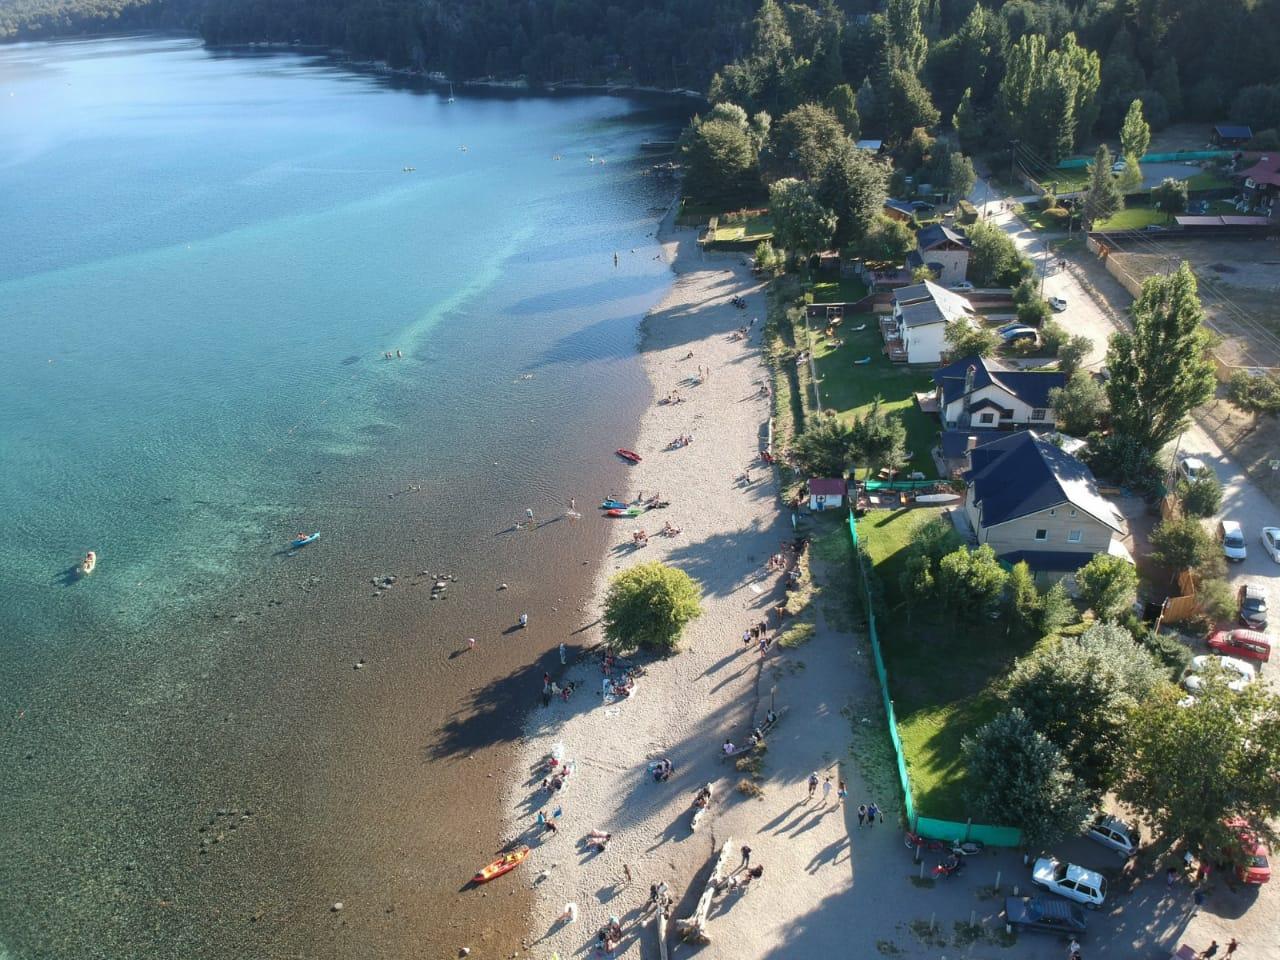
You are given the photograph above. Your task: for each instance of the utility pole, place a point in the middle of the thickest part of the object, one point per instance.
(1044, 267)
(1013, 145)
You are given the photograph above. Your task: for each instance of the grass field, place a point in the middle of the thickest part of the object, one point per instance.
(1207, 180)
(1134, 218)
(850, 388)
(752, 229)
(941, 673)
(844, 290)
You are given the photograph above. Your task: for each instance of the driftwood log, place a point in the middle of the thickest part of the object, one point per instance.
(695, 927)
(661, 920)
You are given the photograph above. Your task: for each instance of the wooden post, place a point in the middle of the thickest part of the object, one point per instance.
(662, 930)
(695, 927)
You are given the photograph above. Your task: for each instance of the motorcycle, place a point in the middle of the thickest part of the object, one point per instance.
(967, 848)
(949, 867)
(916, 840)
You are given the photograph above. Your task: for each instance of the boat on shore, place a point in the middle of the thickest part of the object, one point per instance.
(612, 504)
(302, 539)
(630, 455)
(88, 563)
(504, 864)
(624, 512)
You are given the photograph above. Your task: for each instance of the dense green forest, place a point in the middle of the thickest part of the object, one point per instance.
(1049, 72)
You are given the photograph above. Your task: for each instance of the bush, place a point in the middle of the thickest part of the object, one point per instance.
(1057, 216)
(1254, 394)
(649, 606)
(1201, 497)
(1108, 585)
(1217, 600)
(1183, 544)
(800, 634)
(1053, 335)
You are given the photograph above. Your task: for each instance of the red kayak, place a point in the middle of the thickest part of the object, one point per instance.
(629, 455)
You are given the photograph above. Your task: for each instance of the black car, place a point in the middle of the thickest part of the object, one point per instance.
(1253, 606)
(922, 206)
(1044, 913)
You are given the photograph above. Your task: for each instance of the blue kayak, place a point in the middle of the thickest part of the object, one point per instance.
(613, 505)
(303, 541)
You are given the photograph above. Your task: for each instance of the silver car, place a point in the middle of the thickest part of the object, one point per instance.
(1113, 834)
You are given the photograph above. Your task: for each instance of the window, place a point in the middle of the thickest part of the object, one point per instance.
(1053, 512)
(1037, 413)
(987, 418)
(1074, 536)
(1073, 511)
(1042, 534)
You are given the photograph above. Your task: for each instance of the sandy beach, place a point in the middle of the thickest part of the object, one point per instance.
(685, 707)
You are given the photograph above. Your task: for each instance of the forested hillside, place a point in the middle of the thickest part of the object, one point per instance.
(1185, 59)
(35, 19)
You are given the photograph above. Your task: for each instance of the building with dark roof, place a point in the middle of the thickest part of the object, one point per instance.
(984, 393)
(1231, 135)
(1261, 184)
(899, 210)
(1030, 500)
(942, 250)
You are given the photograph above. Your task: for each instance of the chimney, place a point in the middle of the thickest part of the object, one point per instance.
(968, 379)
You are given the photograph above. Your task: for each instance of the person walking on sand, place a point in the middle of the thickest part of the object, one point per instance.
(862, 815)
(570, 914)
(1232, 947)
(746, 857)
(1210, 951)
(813, 785)
(841, 793)
(826, 790)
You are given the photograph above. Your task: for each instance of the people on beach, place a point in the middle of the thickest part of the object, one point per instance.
(826, 789)
(728, 748)
(746, 856)
(862, 814)
(570, 914)
(524, 619)
(872, 812)
(813, 785)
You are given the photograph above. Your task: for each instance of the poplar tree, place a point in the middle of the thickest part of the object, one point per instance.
(1135, 134)
(907, 44)
(1159, 373)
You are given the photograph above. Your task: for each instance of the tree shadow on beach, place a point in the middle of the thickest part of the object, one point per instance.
(704, 560)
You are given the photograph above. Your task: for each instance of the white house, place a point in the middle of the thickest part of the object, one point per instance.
(826, 493)
(982, 393)
(922, 313)
(942, 250)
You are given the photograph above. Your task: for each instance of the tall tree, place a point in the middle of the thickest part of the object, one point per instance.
(1135, 135)
(970, 582)
(800, 223)
(907, 105)
(1022, 779)
(966, 121)
(1050, 123)
(1190, 765)
(843, 102)
(1170, 197)
(721, 163)
(879, 439)
(803, 142)
(1161, 371)
(1102, 197)
(854, 185)
(825, 449)
(649, 606)
(907, 43)
(1079, 691)
(993, 259)
(1087, 69)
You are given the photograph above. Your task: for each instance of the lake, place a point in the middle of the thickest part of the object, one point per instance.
(205, 260)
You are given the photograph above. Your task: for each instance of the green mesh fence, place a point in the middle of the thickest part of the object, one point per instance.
(942, 829)
(1075, 163)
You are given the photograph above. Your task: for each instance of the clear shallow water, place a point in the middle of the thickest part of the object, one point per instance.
(203, 259)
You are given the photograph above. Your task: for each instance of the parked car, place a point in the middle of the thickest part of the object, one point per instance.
(1068, 880)
(1249, 852)
(1245, 644)
(1113, 834)
(1193, 468)
(962, 285)
(922, 206)
(1253, 606)
(1057, 304)
(1231, 536)
(1044, 913)
(1271, 542)
(1018, 332)
(1240, 673)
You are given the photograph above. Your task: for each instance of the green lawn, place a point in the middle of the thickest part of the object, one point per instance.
(849, 388)
(1207, 180)
(942, 674)
(752, 229)
(1134, 218)
(844, 290)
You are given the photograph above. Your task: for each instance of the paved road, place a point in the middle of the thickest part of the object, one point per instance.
(1089, 312)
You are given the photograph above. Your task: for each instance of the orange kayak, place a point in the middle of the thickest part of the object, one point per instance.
(502, 865)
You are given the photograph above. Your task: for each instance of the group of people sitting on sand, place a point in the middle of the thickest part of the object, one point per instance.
(640, 538)
(559, 778)
(662, 770)
(609, 936)
(598, 840)
(622, 687)
(668, 530)
(672, 397)
(681, 441)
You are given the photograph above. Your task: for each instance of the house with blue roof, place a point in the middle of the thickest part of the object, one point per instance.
(1030, 500)
(985, 394)
(944, 251)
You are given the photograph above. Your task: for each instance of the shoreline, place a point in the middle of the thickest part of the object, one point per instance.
(728, 528)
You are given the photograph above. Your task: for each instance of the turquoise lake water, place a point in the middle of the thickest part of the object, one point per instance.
(203, 259)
